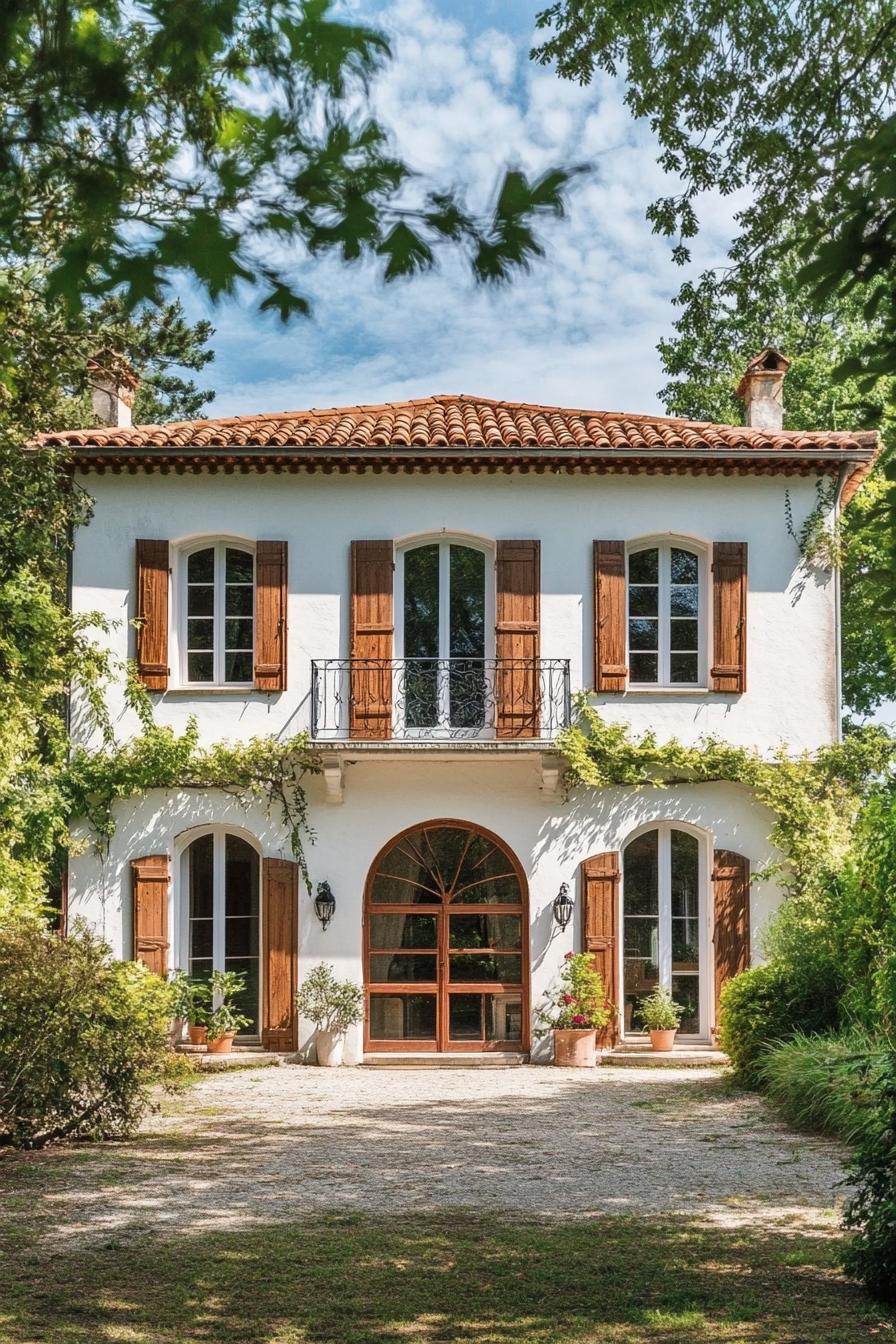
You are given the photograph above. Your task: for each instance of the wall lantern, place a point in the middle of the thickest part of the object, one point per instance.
(324, 903)
(563, 906)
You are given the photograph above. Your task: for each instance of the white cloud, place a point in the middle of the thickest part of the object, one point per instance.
(580, 329)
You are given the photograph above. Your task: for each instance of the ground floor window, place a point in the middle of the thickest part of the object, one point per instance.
(446, 943)
(662, 924)
(221, 874)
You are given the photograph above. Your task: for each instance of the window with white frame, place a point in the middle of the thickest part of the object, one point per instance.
(221, 873)
(217, 634)
(666, 626)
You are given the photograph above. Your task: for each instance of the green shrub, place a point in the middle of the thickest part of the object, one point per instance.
(870, 1256)
(824, 1083)
(763, 1006)
(82, 1038)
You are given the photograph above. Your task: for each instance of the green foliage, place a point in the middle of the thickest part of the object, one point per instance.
(824, 1083)
(870, 1256)
(331, 1004)
(183, 994)
(82, 1038)
(763, 1006)
(264, 769)
(202, 140)
(658, 1011)
(815, 799)
(225, 987)
(579, 1002)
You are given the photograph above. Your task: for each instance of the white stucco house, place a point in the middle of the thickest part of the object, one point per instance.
(424, 587)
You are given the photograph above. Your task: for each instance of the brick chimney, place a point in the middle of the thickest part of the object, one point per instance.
(762, 389)
(113, 386)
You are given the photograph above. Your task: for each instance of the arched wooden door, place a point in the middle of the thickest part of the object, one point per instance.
(446, 945)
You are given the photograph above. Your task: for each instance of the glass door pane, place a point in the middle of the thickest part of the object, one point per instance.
(466, 637)
(684, 884)
(421, 636)
(241, 923)
(641, 925)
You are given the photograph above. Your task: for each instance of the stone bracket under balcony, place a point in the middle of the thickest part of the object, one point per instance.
(548, 773)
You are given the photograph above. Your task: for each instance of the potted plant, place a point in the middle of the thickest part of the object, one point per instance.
(575, 1012)
(181, 1004)
(333, 1006)
(199, 1011)
(661, 1016)
(224, 1020)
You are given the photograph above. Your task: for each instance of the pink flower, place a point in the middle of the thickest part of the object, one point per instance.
(567, 998)
(579, 1020)
(569, 956)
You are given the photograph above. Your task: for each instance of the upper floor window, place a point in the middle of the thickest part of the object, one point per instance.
(218, 630)
(666, 629)
(444, 620)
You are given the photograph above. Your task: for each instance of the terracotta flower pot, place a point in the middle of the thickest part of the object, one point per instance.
(575, 1049)
(329, 1048)
(662, 1041)
(198, 1035)
(222, 1045)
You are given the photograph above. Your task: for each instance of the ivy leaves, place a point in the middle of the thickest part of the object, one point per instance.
(223, 141)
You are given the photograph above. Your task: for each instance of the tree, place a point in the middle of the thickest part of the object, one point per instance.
(206, 138)
(792, 104)
(721, 325)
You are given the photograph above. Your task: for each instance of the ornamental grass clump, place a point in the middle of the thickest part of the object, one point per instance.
(658, 1011)
(580, 1002)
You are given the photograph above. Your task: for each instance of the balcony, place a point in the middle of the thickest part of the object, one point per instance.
(439, 699)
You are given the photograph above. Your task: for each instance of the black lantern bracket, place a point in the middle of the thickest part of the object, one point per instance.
(562, 906)
(324, 903)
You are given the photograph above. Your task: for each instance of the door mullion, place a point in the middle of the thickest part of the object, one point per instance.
(218, 903)
(442, 991)
(665, 894)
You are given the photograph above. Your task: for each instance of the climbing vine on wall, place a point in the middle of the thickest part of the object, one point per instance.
(814, 798)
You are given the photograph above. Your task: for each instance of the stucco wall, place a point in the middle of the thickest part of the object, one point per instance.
(549, 838)
(792, 692)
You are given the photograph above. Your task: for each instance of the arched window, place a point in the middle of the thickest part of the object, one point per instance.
(445, 605)
(666, 625)
(221, 881)
(663, 923)
(217, 627)
(447, 939)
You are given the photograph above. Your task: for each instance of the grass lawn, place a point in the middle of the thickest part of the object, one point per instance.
(451, 1277)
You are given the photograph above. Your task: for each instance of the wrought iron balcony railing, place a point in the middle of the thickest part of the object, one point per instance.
(439, 699)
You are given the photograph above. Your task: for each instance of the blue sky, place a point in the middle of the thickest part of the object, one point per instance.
(462, 100)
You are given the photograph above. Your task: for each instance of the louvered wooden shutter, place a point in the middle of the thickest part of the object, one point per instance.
(518, 638)
(729, 609)
(600, 925)
(152, 613)
(731, 917)
(372, 629)
(610, 669)
(150, 877)
(270, 615)
(280, 932)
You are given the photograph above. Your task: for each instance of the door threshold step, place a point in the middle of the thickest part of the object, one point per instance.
(681, 1057)
(429, 1060)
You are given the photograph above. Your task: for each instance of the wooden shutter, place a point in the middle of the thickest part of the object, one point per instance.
(518, 638)
(372, 629)
(600, 925)
(150, 877)
(610, 670)
(731, 917)
(729, 616)
(152, 614)
(280, 932)
(270, 615)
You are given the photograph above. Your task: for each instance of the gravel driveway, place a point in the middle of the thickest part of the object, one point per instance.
(285, 1141)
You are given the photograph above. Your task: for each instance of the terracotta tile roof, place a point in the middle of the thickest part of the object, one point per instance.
(464, 433)
(457, 422)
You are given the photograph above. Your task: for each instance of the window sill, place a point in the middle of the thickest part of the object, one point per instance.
(645, 691)
(201, 692)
